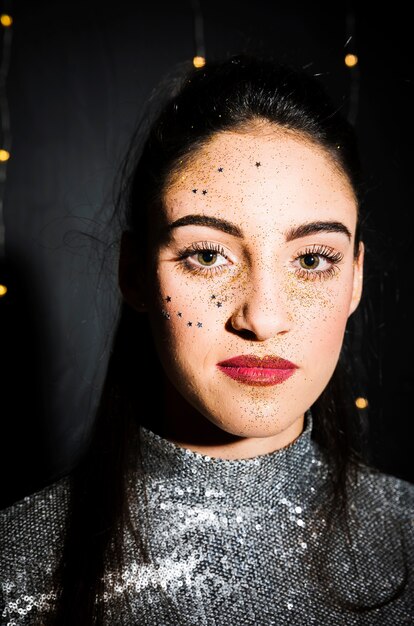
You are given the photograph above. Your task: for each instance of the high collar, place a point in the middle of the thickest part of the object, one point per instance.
(262, 478)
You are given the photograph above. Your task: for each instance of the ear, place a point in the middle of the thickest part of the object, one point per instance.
(131, 278)
(358, 279)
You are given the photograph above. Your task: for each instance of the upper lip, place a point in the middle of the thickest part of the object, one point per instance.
(253, 361)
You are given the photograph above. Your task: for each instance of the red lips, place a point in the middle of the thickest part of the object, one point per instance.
(258, 371)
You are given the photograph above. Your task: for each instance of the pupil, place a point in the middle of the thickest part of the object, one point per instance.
(207, 257)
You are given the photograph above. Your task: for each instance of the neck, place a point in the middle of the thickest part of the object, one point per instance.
(183, 425)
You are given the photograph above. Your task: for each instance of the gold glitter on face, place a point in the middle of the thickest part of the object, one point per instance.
(262, 265)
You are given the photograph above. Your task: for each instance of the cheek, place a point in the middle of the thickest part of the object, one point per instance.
(186, 311)
(321, 312)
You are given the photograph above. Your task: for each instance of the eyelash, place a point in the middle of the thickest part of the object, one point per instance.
(322, 251)
(204, 246)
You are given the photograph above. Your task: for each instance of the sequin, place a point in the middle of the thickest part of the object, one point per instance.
(229, 543)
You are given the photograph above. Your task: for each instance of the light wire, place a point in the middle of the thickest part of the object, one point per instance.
(7, 36)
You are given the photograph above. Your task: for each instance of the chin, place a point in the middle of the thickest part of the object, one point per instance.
(254, 426)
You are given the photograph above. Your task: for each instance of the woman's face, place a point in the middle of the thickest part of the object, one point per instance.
(252, 280)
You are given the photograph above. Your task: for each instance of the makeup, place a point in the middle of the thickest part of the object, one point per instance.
(258, 371)
(263, 268)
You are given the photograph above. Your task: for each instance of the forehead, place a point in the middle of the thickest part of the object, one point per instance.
(264, 174)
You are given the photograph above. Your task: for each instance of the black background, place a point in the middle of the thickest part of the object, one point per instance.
(79, 75)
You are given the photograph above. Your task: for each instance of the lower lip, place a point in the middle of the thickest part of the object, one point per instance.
(257, 376)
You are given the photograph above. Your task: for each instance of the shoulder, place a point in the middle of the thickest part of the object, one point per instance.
(383, 505)
(384, 491)
(52, 499)
(373, 544)
(31, 540)
(32, 525)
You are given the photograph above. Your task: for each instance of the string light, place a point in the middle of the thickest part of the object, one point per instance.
(361, 403)
(199, 61)
(351, 60)
(5, 135)
(6, 20)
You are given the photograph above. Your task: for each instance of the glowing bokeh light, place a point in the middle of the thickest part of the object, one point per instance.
(351, 60)
(361, 403)
(6, 20)
(199, 61)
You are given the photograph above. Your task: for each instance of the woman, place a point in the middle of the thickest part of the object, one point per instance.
(222, 483)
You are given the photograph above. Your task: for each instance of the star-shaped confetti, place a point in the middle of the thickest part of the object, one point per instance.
(220, 169)
(199, 325)
(179, 314)
(189, 323)
(258, 164)
(168, 299)
(194, 190)
(204, 192)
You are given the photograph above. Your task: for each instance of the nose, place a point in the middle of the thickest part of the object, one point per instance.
(263, 311)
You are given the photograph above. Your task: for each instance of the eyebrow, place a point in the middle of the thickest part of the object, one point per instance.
(296, 232)
(311, 228)
(211, 222)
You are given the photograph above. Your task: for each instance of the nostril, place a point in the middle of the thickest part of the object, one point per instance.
(242, 332)
(247, 334)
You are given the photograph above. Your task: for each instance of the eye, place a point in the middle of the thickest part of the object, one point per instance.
(207, 258)
(204, 258)
(309, 261)
(317, 262)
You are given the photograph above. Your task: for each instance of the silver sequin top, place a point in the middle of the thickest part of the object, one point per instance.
(231, 543)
